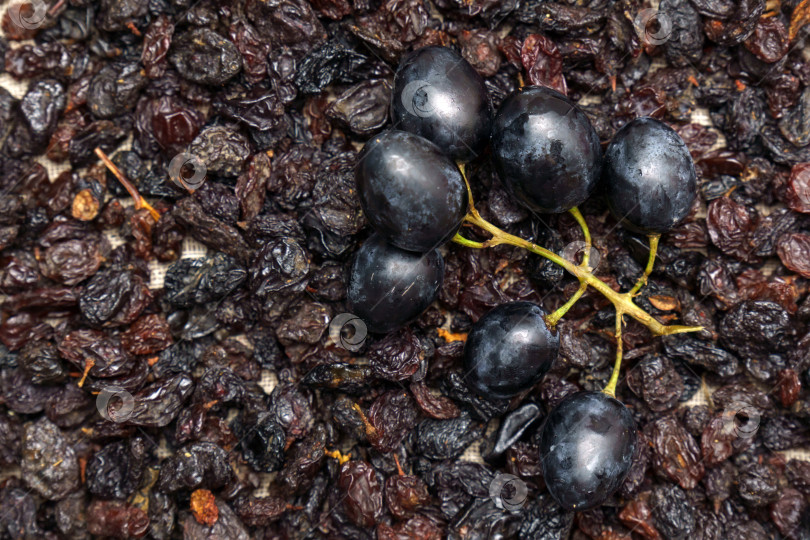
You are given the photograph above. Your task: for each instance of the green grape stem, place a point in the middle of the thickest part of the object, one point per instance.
(586, 256)
(610, 389)
(622, 302)
(555, 317)
(642, 281)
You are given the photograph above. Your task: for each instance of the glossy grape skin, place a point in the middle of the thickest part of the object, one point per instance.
(438, 95)
(586, 449)
(509, 349)
(389, 287)
(411, 193)
(649, 176)
(545, 150)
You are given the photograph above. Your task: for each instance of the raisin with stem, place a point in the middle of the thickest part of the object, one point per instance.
(101, 355)
(348, 378)
(638, 516)
(738, 26)
(405, 494)
(104, 134)
(305, 460)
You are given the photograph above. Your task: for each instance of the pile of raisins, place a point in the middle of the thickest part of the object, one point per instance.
(135, 412)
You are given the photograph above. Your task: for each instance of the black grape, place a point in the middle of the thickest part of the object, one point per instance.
(412, 194)
(586, 449)
(650, 179)
(438, 95)
(509, 349)
(545, 150)
(389, 287)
